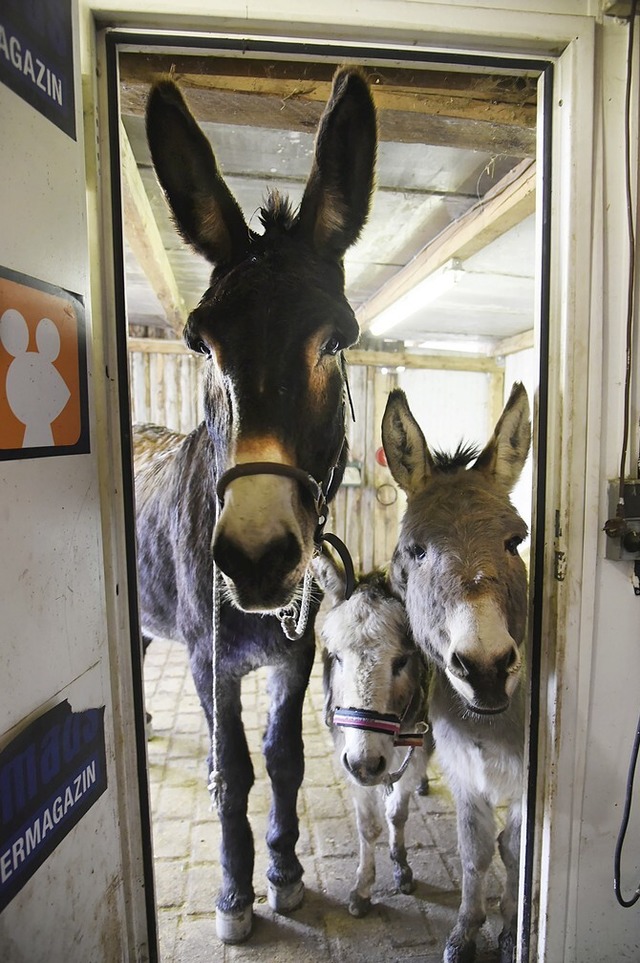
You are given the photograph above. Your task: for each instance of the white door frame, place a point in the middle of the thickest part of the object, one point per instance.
(566, 616)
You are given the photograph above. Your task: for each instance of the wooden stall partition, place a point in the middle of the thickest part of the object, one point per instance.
(367, 510)
(167, 388)
(166, 384)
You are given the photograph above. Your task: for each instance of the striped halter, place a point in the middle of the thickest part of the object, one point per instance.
(379, 722)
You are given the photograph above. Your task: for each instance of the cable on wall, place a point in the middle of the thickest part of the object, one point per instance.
(618, 522)
(615, 526)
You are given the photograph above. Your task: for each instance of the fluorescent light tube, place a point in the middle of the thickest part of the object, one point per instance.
(424, 292)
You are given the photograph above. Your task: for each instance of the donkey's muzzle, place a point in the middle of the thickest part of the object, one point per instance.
(485, 686)
(368, 771)
(261, 583)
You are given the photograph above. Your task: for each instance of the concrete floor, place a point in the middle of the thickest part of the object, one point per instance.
(186, 840)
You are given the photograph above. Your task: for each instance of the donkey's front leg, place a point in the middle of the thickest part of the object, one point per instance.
(476, 845)
(397, 811)
(235, 900)
(366, 803)
(284, 757)
(509, 846)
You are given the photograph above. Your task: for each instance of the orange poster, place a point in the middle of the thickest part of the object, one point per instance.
(43, 374)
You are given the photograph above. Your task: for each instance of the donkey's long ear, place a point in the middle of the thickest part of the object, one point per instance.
(205, 211)
(336, 200)
(407, 452)
(330, 576)
(505, 454)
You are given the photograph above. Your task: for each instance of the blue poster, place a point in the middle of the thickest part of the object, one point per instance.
(36, 57)
(50, 776)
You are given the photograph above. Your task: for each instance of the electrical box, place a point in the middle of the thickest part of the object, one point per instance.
(625, 546)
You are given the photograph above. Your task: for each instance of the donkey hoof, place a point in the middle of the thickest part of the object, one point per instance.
(234, 926)
(423, 787)
(403, 876)
(507, 944)
(283, 899)
(359, 905)
(457, 952)
(408, 885)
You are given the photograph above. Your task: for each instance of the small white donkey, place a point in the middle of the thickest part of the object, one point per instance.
(375, 683)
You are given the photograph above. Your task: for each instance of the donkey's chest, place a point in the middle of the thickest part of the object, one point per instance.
(480, 758)
(489, 771)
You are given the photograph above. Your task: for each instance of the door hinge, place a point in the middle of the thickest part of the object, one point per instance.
(559, 566)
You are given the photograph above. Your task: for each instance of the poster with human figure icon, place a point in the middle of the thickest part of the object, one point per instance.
(43, 372)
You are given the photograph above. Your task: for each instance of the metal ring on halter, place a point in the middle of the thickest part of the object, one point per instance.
(345, 556)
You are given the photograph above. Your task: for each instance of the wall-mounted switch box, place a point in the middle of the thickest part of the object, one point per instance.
(625, 546)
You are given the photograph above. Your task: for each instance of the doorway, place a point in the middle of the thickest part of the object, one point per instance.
(456, 199)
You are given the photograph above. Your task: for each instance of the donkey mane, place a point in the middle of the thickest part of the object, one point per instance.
(448, 462)
(277, 212)
(377, 582)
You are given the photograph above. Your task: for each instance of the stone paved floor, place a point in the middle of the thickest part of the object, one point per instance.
(186, 840)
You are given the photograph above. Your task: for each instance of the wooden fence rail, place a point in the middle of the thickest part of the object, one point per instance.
(166, 387)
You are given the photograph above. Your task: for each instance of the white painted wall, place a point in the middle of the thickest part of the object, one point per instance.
(453, 406)
(449, 406)
(590, 646)
(54, 641)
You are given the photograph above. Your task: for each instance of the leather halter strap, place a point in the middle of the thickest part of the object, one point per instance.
(368, 720)
(319, 499)
(390, 725)
(379, 722)
(273, 468)
(292, 626)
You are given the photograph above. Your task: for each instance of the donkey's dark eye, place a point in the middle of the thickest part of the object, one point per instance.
(201, 347)
(399, 664)
(512, 543)
(417, 552)
(332, 345)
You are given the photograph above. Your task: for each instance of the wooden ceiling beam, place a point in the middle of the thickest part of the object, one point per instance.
(455, 108)
(510, 201)
(354, 356)
(142, 233)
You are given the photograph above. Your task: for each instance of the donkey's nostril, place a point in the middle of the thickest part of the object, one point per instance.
(365, 771)
(263, 582)
(508, 661)
(278, 558)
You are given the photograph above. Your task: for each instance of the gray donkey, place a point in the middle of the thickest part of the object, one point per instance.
(457, 567)
(375, 683)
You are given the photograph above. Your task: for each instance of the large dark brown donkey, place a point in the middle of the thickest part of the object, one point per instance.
(273, 325)
(464, 585)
